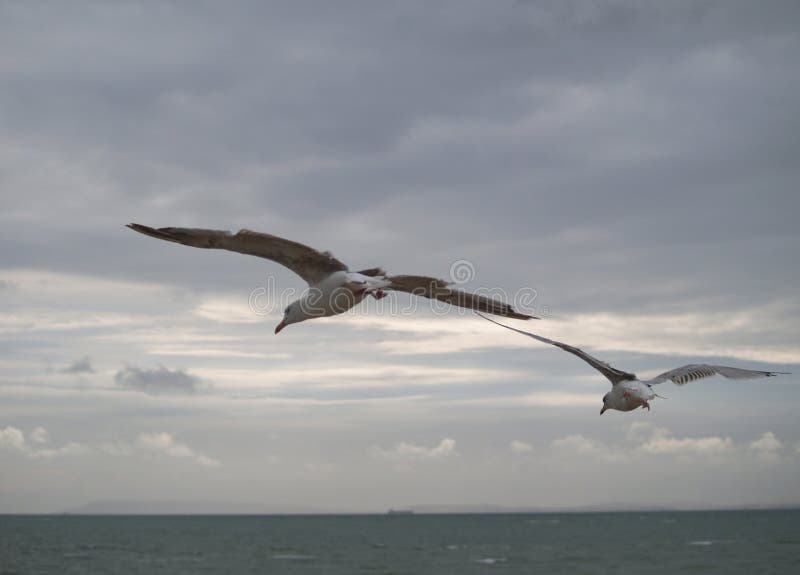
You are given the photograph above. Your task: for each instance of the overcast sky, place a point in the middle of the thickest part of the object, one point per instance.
(632, 165)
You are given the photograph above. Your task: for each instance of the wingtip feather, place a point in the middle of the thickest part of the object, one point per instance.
(517, 315)
(139, 228)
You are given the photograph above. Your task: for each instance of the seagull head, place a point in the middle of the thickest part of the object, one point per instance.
(606, 406)
(292, 314)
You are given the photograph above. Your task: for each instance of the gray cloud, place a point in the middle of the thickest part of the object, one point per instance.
(81, 365)
(554, 133)
(633, 161)
(158, 380)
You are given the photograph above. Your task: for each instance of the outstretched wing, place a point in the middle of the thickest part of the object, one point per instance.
(614, 375)
(439, 290)
(308, 263)
(687, 373)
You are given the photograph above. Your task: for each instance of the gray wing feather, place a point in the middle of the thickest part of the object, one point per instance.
(308, 263)
(612, 374)
(695, 371)
(439, 290)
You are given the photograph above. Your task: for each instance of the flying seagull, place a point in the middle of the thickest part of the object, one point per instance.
(333, 289)
(629, 392)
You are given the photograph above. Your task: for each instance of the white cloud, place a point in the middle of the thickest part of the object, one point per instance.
(711, 333)
(517, 446)
(164, 443)
(688, 446)
(767, 442)
(722, 334)
(644, 438)
(535, 399)
(159, 442)
(335, 377)
(655, 440)
(579, 444)
(587, 447)
(48, 320)
(228, 309)
(49, 287)
(39, 435)
(207, 461)
(13, 438)
(71, 448)
(410, 451)
(767, 447)
(216, 352)
(641, 431)
(659, 441)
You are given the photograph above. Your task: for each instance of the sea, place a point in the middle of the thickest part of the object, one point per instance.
(723, 542)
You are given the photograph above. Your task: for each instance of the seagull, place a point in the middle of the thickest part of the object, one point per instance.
(333, 288)
(629, 392)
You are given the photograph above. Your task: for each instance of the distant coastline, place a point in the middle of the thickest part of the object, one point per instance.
(132, 507)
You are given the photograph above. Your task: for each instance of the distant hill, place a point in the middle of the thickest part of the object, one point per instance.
(132, 507)
(623, 507)
(488, 508)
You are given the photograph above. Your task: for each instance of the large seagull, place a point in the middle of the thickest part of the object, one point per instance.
(333, 288)
(629, 392)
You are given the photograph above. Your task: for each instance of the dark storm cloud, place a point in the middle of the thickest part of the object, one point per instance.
(158, 381)
(81, 365)
(602, 140)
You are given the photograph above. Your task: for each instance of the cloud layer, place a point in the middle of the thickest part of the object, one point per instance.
(158, 443)
(632, 164)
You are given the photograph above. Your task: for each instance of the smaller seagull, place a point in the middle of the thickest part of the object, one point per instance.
(333, 288)
(629, 392)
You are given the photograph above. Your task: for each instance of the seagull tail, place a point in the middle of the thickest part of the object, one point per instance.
(372, 272)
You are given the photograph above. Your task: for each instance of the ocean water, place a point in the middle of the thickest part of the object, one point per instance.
(727, 542)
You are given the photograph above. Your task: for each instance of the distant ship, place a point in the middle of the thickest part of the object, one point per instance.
(400, 512)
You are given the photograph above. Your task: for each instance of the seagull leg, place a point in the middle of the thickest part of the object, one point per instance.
(646, 406)
(378, 294)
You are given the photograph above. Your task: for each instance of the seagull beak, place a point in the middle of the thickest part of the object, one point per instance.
(602, 411)
(280, 326)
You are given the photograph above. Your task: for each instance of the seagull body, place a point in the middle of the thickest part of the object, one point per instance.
(628, 392)
(335, 294)
(628, 395)
(333, 288)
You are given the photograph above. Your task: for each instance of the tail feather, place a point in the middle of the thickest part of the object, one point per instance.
(372, 272)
